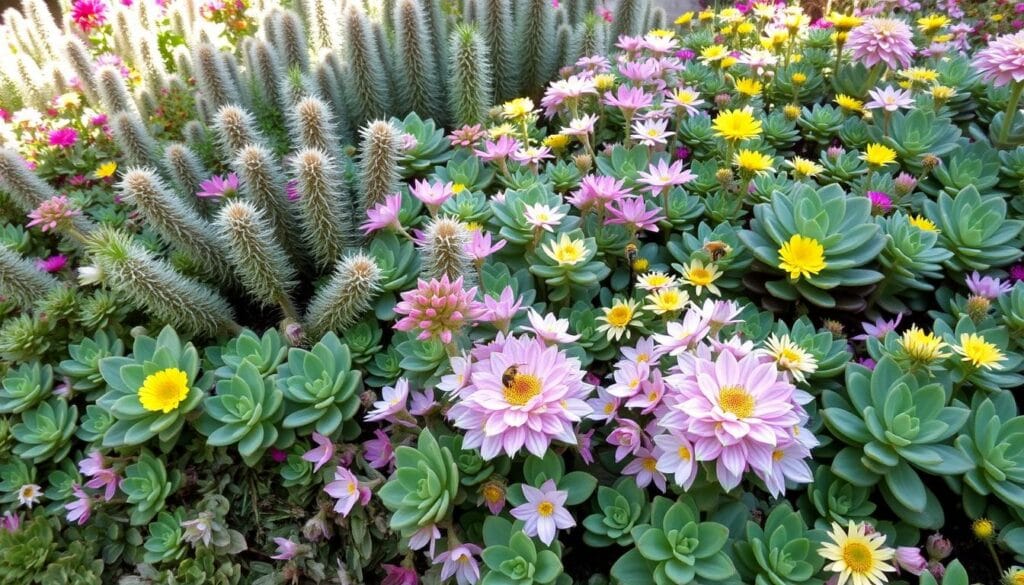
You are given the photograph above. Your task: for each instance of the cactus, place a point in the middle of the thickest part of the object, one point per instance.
(418, 89)
(322, 17)
(78, 57)
(379, 162)
(629, 18)
(497, 28)
(152, 284)
(536, 36)
(112, 91)
(150, 59)
(20, 281)
(291, 41)
(212, 76)
(471, 87)
(366, 84)
(234, 129)
(329, 88)
(343, 299)
(20, 183)
(324, 217)
(265, 69)
(311, 124)
(257, 256)
(444, 250)
(260, 179)
(185, 169)
(134, 139)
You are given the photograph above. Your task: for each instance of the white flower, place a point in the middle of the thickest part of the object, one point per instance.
(29, 494)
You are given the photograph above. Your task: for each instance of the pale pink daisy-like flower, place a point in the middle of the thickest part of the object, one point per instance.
(640, 72)
(393, 401)
(604, 406)
(384, 215)
(347, 490)
(539, 402)
(94, 466)
(433, 195)
(580, 126)
(628, 99)
(787, 463)
(882, 40)
(287, 549)
(549, 328)
(633, 213)
(459, 377)
(652, 132)
(55, 212)
(879, 328)
(561, 90)
(498, 151)
(675, 457)
(217, 186)
(500, 311)
(910, 559)
(531, 155)
(80, 508)
(629, 44)
(544, 512)
(890, 99)
(988, 287)
(659, 44)
(628, 438)
(322, 453)
(627, 378)
(420, 403)
(438, 308)
(543, 216)
(683, 335)
(652, 390)
(10, 522)
(467, 136)
(663, 175)
(598, 190)
(480, 246)
(760, 61)
(1002, 61)
(460, 562)
(645, 469)
(719, 313)
(425, 537)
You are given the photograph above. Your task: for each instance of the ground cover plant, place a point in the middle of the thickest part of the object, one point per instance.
(509, 292)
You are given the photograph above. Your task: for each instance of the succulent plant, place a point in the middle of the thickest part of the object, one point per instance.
(165, 367)
(147, 485)
(975, 164)
(83, 367)
(917, 134)
(244, 410)
(566, 262)
(266, 352)
(512, 558)
(165, 538)
(830, 353)
(896, 426)
(976, 230)
(321, 389)
(836, 500)
(675, 547)
(45, 431)
(77, 565)
(993, 441)
(821, 240)
(784, 551)
(423, 489)
(910, 258)
(619, 509)
(24, 387)
(955, 574)
(24, 553)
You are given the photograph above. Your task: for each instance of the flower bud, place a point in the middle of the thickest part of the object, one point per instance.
(909, 559)
(938, 547)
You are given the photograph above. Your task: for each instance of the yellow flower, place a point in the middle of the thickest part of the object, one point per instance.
(714, 53)
(798, 79)
(730, 15)
(604, 81)
(473, 226)
(68, 99)
(849, 104)
(858, 557)
(641, 265)
(790, 357)
(752, 161)
(501, 130)
(517, 109)
(566, 251)
(803, 167)
(748, 87)
(655, 280)
(697, 275)
(667, 300)
(879, 155)
(619, 318)
(983, 528)
(556, 141)
(932, 23)
(725, 30)
(684, 18)
(844, 22)
(923, 223)
(458, 188)
(943, 92)
(706, 14)
(996, 18)
(920, 75)
(745, 28)
(796, 58)
(944, 38)
(980, 353)
(921, 346)
(779, 38)
(1014, 576)
(685, 97)
(736, 125)
(802, 256)
(791, 111)
(105, 170)
(163, 391)
(662, 33)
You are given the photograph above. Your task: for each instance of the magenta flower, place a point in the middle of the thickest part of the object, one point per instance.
(346, 489)
(80, 508)
(393, 401)
(10, 522)
(675, 456)
(55, 212)
(52, 264)
(1002, 61)
(598, 190)
(460, 563)
(216, 187)
(88, 14)
(322, 453)
(467, 136)
(879, 328)
(541, 402)
(378, 451)
(644, 467)
(98, 120)
(63, 137)
(881, 203)
(498, 151)
(439, 309)
(1017, 273)
(549, 328)
(633, 213)
(544, 511)
(433, 195)
(384, 215)
(890, 99)
(500, 311)
(291, 190)
(988, 287)
(910, 559)
(882, 40)
(480, 246)
(395, 575)
(286, 549)
(663, 176)
(102, 476)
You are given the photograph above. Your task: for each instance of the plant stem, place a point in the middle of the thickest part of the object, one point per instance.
(1011, 112)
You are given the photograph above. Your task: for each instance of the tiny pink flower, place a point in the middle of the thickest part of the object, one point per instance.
(910, 559)
(286, 549)
(460, 563)
(378, 451)
(544, 511)
(549, 328)
(52, 264)
(322, 453)
(347, 490)
(393, 401)
(645, 468)
(425, 537)
(102, 476)
(480, 246)
(217, 187)
(54, 213)
(384, 215)
(80, 508)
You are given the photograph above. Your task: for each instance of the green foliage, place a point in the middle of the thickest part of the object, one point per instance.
(512, 558)
(975, 230)
(24, 553)
(782, 552)
(321, 389)
(147, 486)
(44, 432)
(244, 411)
(423, 488)
(619, 509)
(25, 386)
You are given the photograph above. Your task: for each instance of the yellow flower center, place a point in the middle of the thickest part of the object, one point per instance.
(979, 352)
(701, 276)
(522, 389)
(567, 252)
(802, 256)
(983, 528)
(777, 455)
(684, 454)
(609, 408)
(163, 391)
(736, 401)
(351, 487)
(493, 494)
(545, 508)
(650, 464)
(858, 557)
(458, 188)
(620, 316)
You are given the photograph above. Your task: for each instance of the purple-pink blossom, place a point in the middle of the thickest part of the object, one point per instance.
(347, 490)
(882, 40)
(80, 508)
(94, 466)
(544, 512)
(460, 562)
(438, 308)
(322, 453)
(634, 214)
(384, 215)
(63, 137)
(217, 186)
(1002, 61)
(52, 264)
(55, 212)
(393, 401)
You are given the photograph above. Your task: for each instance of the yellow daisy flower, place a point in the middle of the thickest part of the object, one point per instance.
(566, 251)
(802, 256)
(749, 87)
(980, 353)
(736, 125)
(859, 558)
(619, 318)
(932, 23)
(878, 155)
(105, 170)
(790, 357)
(667, 300)
(163, 391)
(699, 276)
(923, 223)
(849, 104)
(753, 162)
(684, 18)
(655, 280)
(922, 346)
(803, 167)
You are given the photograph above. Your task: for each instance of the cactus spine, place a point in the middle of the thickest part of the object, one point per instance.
(343, 299)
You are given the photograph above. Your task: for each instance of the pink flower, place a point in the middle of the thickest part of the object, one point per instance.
(541, 402)
(1017, 273)
(882, 40)
(322, 453)
(421, 403)
(543, 216)
(675, 456)
(645, 468)
(628, 99)
(102, 476)
(52, 264)
(393, 401)
(217, 186)
(664, 176)
(988, 287)
(439, 308)
(63, 137)
(910, 559)
(585, 442)
(498, 151)
(544, 511)
(787, 463)
(652, 132)
(879, 328)
(433, 195)
(378, 451)
(384, 215)
(549, 328)
(55, 212)
(531, 155)
(880, 202)
(98, 120)
(681, 336)
(598, 190)
(425, 537)
(467, 136)
(500, 312)
(88, 14)
(627, 438)
(459, 562)
(1002, 61)
(277, 455)
(80, 508)
(580, 126)
(286, 549)
(890, 99)
(347, 490)
(395, 575)
(561, 90)
(604, 13)
(938, 547)
(291, 190)
(10, 522)
(633, 213)
(480, 246)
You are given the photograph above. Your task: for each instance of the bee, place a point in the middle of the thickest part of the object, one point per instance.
(509, 376)
(717, 249)
(631, 253)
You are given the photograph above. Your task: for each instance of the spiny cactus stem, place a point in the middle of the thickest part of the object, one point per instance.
(288, 308)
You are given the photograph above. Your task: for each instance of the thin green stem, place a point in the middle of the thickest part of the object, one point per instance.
(1011, 112)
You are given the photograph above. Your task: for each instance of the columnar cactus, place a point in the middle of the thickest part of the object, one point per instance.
(134, 139)
(234, 129)
(291, 41)
(20, 183)
(418, 90)
(311, 124)
(348, 295)
(20, 281)
(212, 76)
(366, 83)
(80, 60)
(322, 20)
(260, 179)
(185, 169)
(472, 86)
(326, 223)
(497, 29)
(379, 162)
(536, 37)
(113, 93)
(444, 251)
